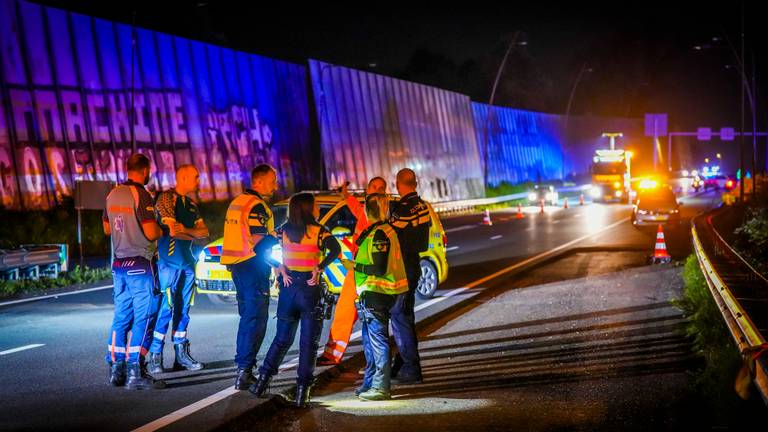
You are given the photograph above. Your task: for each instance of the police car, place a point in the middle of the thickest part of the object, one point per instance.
(216, 281)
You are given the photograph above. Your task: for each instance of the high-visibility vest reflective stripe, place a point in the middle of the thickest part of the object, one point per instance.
(238, 244)
(394, 281)
(302, 256)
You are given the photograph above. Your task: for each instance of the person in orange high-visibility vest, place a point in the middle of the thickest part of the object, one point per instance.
(345, 314)
(249, 230)
(308, 248)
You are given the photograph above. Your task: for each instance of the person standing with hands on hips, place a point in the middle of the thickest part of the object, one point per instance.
(308, 248)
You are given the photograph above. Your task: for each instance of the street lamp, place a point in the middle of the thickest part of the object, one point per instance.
(583, 69)
(747, 88)
(512, 44)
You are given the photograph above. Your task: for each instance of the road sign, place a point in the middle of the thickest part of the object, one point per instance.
(704, 134)
(727, 134)
(655, 125)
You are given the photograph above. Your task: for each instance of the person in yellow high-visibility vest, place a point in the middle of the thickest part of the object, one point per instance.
(345, 313)
(248, 239)
(379, 277)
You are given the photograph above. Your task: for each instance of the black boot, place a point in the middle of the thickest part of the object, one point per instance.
(244, 379)
(117, 373)
(302, 396)
(184, 360)
(155, 363)
(139, 379)
(260, 387)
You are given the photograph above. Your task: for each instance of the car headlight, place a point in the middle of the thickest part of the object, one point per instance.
(674, 211)
(616, 185)
(531, 196)
(619, 194)
(595, 192)
(277, 253)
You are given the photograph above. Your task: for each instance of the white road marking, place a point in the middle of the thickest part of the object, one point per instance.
(210, 400)
(55, 295)
(23, 348)
(461, 228)
(496, 237)
(452, 248)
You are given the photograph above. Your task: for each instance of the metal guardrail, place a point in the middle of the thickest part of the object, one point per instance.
(447, 206)
(740, 292)
(33, 261)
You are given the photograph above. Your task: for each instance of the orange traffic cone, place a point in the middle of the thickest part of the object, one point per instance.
(520, 211)
(565, 203)
(581, 199)
(660, 255)
(487, 218)
(542, 206)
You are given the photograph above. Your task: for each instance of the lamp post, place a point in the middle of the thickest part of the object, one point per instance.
(566, 137)
(746, 89)
(583, 69)
(487, 146)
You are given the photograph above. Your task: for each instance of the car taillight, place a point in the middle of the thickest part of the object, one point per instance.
(729, 184)
(445, 241)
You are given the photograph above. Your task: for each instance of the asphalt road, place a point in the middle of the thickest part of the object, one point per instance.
(603, 352)
(52, 374)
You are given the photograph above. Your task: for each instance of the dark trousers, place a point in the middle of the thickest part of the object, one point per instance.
(251, 280)
(298, 303)
(374, 315)
(407, 362)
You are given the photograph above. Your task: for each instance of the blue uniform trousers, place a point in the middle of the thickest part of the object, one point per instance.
(136, 307)
(178, 292)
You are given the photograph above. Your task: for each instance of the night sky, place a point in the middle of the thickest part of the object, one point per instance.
(634, 61)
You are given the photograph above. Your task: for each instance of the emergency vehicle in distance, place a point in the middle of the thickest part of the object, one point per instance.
(610, 175)
(216, 281)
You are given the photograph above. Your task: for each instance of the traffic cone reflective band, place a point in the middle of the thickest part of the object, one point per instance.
(660, 254)
(487, 218)
(565, 203)
(581, 199)
(542, 206)
(520, 211)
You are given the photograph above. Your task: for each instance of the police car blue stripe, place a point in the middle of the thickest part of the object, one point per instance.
(331, 278)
